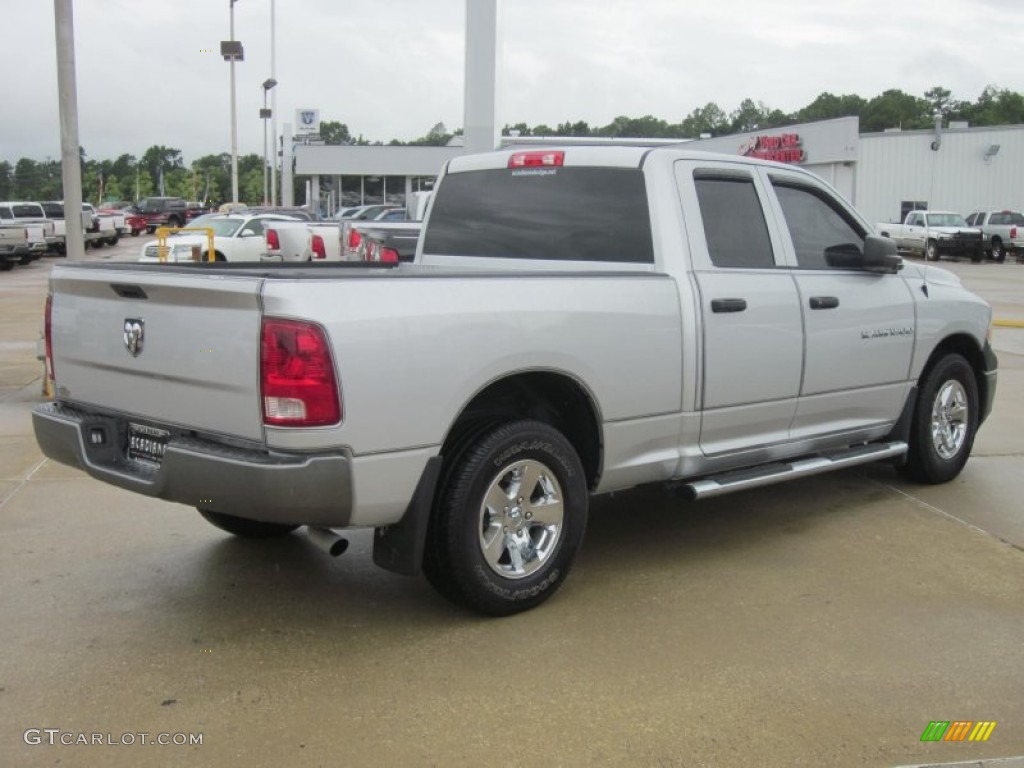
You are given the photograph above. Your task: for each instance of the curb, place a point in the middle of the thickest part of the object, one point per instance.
(992, 762)
(1008, 323)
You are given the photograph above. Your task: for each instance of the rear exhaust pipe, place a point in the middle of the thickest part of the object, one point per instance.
(327, 540)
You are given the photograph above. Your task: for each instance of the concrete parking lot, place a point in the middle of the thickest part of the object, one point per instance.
(825, 622)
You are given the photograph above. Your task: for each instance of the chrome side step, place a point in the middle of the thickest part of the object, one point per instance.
(756, 477)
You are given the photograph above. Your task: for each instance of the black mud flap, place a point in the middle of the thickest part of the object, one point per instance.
(399, 547)
(901, 429)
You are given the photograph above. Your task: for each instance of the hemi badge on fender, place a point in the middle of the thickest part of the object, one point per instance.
(134, 335)
(878, 333)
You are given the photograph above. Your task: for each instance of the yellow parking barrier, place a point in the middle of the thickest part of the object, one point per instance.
(163, 250)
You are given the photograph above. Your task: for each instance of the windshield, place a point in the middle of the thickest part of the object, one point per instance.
(946, 220)
(222, 226)
(28, 211)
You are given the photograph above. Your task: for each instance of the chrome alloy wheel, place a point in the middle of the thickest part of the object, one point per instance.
(949, 419)
(521, 519)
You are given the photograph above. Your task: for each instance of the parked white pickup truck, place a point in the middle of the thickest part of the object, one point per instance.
(934, 234)
(13, 246)
(576, 321)
(292, 241)
(1002, 232)
(40, 230)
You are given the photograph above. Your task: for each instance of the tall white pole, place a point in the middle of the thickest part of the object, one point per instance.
(234, 119)
(265, 151)
(70, 161)
(273, 106)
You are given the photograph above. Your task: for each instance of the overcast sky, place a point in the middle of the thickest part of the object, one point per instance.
(149, 71)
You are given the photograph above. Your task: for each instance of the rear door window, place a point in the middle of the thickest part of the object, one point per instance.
(734, 223)
(554, 214)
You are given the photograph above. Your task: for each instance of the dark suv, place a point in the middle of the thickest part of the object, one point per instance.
(163, 212)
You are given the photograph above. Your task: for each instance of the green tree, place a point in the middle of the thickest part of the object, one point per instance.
(750, 116)
(828, 107)
(895, 109)
(6, 180)
(939, 100)
(334, 132)
(707, 119)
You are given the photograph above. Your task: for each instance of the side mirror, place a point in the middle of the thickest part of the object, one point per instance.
(881, 255)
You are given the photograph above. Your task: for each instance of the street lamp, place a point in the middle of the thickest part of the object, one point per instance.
(265, 114)
(231, 50)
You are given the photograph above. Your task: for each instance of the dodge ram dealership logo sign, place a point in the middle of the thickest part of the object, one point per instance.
(784, 148)
(134, 335)
(308, 121)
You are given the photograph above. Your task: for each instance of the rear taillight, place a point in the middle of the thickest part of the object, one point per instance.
(536, 159)
(353, 239)
(319, 251)
(297, 375)
(273, 242)
(1013, 233)
(48, 332)
(388, 255)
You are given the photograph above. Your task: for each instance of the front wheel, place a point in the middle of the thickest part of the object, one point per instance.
(247, 529)
(112, 240)
(945, 422)
(931, 251)
(509, 521)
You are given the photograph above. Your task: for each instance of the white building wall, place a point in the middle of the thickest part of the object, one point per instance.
(899, 166)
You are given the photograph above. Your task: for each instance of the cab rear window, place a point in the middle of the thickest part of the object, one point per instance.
(554, 214)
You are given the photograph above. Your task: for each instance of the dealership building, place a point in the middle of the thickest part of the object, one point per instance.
(950, 167)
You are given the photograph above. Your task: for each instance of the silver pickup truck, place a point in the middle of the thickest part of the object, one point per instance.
(576, 321)
(14, 248)
(1002, 232)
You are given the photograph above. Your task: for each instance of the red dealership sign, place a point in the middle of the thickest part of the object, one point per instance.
(784, 148)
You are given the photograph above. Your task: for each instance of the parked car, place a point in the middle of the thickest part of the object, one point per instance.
(577, 321)
(237, 237)
(1002, 232)
(163, 212)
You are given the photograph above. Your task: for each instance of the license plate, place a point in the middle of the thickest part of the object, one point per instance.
(146, 444)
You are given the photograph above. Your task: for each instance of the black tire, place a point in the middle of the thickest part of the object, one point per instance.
(26, 260)
(150, 230)
(173, 221)
(247, 529)
(931, 251)
(947, 402)
(135, 232)
(998, 250)
(98, 242)
(525, 561)
(6, 266)
(113, 240)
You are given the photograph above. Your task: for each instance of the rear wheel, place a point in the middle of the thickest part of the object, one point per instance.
(998, 250)
(945, 421)
(247, 529)
(509, 521)
(113, 240)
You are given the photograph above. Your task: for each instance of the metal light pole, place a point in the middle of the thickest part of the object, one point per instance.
(234, 117)
(71, 162)
(264, 114)
(231, 50)
(273, 105)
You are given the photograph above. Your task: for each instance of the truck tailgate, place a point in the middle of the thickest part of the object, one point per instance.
(198, 361)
